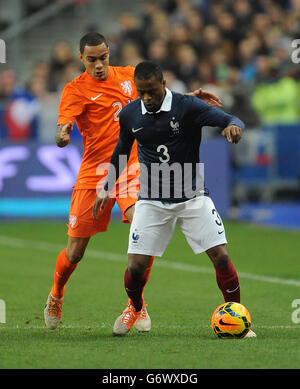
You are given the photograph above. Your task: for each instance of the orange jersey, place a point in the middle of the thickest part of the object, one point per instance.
(95, 106)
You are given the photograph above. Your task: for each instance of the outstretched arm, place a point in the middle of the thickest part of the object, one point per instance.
(208, 97)
(204, 115)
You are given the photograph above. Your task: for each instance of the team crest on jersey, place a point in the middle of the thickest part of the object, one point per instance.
(175, 127)
(127, 87)
(73, 221)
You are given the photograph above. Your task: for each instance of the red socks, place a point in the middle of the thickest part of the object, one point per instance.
(135, 287)
(63, 269)
(228, 282)
(147, 273)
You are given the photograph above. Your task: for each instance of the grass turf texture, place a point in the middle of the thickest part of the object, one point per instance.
(182, 295)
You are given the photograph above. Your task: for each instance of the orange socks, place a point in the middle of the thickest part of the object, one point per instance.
(63, 269)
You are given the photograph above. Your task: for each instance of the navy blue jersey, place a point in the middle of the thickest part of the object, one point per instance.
(168, 144)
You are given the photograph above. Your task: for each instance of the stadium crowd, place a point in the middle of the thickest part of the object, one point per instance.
(241, 50)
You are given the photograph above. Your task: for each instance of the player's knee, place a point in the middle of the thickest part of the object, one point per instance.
(74, 255)
(136, 271)
(136, 268)
(220, 257)
(221, 261)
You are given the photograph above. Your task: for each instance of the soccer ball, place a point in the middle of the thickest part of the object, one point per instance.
(231, 320)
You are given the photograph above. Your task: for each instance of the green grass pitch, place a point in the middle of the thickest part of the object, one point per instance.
(181, 296)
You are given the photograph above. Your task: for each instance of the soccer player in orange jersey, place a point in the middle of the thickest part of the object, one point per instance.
(94, 100)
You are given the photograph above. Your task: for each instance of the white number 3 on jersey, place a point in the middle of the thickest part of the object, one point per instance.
(165, 156)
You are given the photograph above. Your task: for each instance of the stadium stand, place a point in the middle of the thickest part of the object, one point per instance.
(240, 50)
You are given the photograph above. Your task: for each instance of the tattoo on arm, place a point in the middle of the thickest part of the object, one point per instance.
(58, 140)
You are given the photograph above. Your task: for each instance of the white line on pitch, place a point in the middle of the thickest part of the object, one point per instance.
(54, 247)
(101, 326)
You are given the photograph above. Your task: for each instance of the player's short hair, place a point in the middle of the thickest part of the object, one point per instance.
(91, 39)
(147, 69)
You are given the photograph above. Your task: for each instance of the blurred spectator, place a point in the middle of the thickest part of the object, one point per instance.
(129, 27)
(282, 52)
(276, 100)
(260, 23)
(8, 84)
(48, 100)
(179, 35)
(242, 14)
(7, 87)
(179, 11)
(18, 110)
(173, 83)
(240, 50)
(228, 28)
(206, 73)
(219, 62)
(186, 63)
(242, 107)
(47, 106)
(264, 69)
(211, 38)
(72, 70)
(60, 58)
(159, 27)
(158, 52)
(130, 54)
(150, 8)
(195, 24)
(130, 31)
(247, 60)
(41, 69)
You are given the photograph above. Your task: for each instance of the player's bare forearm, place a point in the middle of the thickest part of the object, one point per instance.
(62, 137)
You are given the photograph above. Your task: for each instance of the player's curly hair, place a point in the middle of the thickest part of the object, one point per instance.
(147, 69)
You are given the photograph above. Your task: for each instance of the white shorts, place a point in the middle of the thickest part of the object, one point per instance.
(154, 222)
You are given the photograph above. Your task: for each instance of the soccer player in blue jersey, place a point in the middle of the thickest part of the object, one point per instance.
(167, 127)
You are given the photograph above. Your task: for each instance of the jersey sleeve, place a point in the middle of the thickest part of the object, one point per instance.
(130, 70)
(71, 105)
(203, 114)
